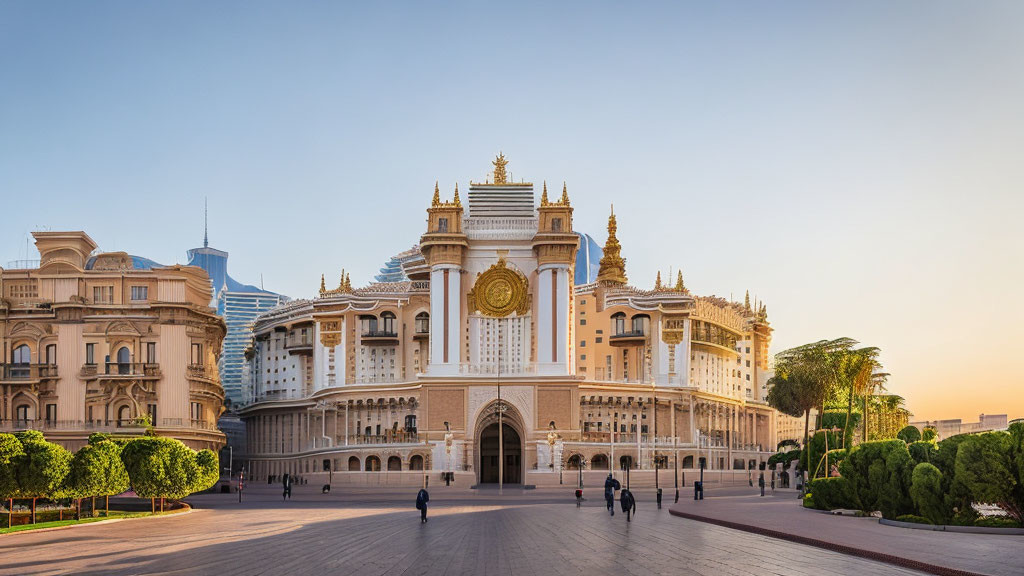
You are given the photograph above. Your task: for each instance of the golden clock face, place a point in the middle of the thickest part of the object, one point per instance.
(500, 291)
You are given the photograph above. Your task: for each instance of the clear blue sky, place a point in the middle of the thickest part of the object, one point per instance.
(857, 165)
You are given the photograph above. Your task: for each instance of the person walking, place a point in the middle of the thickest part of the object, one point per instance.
(286, 482)
(773, 481)
(760, 483)
(628, 503)
(422, 497)
(610, 486)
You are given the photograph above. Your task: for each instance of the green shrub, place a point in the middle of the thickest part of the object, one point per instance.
(996, 522)
(929, 434)
(207, 470)
(964, 517)
(922, 451)
(161, 467)
(40, 471)
(926, 492)
(785, 443)
(985, 470)
(880, 474)
(909, 434)
(944, 459)
(913, 518)
(833, 493)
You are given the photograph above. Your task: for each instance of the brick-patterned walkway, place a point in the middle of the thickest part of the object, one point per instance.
(369, 533)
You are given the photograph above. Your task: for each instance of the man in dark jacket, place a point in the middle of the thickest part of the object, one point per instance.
(628, 503)
(760, 483)
(610, 486)
(422, 497)
(286, 483)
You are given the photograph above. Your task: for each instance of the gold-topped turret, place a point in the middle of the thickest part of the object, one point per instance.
(657, 282)
(680, 287)
(500, 177)
(555, 242)
(344, 285)
(544, 195)
(565, 195)
(456, 200)
(437, 195)
(444, 241)
(613, 265)
(323, 285)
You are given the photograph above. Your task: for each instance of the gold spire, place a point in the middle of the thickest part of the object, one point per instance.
(500, 177)
(657, 281)
(456, 200)
(341, 284)
(746, 301)
(680, 287)
(565, 195)
(348, 283)
(544, 195)
(437, 196)
(613, 266)
(323, 285)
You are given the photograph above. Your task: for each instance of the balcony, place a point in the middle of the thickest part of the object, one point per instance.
(16, 373)
(631, 338)
(121, 370)
(299, 344)
(421, 334)
(379, 337)
(400, 437)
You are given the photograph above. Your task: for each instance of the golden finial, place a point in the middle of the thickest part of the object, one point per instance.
(565, 195)
(456, 200)
(323, 285)
(437, 195)
(657, 281)
(613, 265)
(544, 195)
(500, 177)
(746, 301)
(341, 283)
(680, 287)
(348, 283)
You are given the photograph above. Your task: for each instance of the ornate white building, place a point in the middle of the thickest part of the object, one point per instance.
(388, 382)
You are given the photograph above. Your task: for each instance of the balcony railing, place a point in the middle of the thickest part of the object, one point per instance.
(28, 371)
(296, 342)
(631, 337)
(200, 371)
(401, 437)
(379, 336)
(127, 425)
(126, 369)
(203, 424)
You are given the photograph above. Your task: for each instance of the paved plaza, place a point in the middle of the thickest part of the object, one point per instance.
(375, 532)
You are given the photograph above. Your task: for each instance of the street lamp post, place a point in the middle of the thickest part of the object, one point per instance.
(501, 437)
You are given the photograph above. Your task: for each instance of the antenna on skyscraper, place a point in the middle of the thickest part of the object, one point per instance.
(261, 280)
(206, 224)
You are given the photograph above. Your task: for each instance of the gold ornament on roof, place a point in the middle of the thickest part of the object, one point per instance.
(323, 285)
(500, 177)
(544, 195)
(613, 265)
(456, 200)
(500, 291)
(657, 282)
(344, 285)
(437, 196)
(565, 196)
(680, 287)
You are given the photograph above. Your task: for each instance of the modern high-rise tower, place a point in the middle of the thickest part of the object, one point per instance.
(239, 304)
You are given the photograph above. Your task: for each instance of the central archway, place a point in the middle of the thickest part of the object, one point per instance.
(512, 453)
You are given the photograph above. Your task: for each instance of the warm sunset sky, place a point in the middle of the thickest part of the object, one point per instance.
(859, 166)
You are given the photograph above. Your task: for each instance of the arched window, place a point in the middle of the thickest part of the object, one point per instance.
(618, 323)
(639, 323)
(372, 464)
(353, 464)
(21, 413)
(394, 464)
(687, 462)
(22, 355)
(369, 324)
(423, 323)
(124, 416)
(387, 320)
(124, 361)
(416, 462)
(626, 462)
(573, 463)
(599, 462)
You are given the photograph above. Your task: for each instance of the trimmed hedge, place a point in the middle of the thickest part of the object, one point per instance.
(913, 518)
(909, 434)
(880, 474)
(926, 492)
(996, 522)
(922, 451)
(832, 493)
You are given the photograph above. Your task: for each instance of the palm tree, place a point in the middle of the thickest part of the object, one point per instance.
(875, 385)
(860, 368)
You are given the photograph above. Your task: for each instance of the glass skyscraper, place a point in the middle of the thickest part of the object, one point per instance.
(238, 304)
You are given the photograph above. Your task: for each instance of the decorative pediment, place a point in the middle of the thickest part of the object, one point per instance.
(122, 328)
(113, 261)
(27, 330)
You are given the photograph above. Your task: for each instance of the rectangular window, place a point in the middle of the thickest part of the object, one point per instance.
(197, 353)
(51, 354)
(556, 224)
(442, 224)
(583, 321)
(151, 352)
(51, 413)
(197, 411)
(90, 353)
(103, 294)
(583, 356)
(598, 340)
(152, 413)
(583, 343)
(140, 293)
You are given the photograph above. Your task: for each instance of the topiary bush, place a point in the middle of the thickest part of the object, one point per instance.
(880, 475)
(929, 434)
(809, 500)
(985, 470)
(922, 451)
(162, 468)
(909, 434)
(926, 492)
(833, 493)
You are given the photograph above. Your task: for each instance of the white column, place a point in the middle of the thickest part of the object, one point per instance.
(445, 314)
(553, 346)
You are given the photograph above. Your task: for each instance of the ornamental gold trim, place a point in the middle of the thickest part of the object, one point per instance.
(499, 291)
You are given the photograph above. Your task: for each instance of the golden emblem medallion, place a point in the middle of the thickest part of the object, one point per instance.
(500, 291)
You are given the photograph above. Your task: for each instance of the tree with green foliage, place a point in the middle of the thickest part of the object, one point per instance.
(166, 468)
(984, 469)
(832, 493)
(41, 469)
(861, 373)
(1016, 431)
(926, 493)
(909, 434)
(929, 434)
(97, 470)
(10, 448)
(208, 470)
(880, 475)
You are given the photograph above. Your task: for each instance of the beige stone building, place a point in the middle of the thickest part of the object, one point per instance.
(397, 380)
(101, 342)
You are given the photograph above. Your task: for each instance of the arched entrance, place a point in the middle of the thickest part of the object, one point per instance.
(512, 453)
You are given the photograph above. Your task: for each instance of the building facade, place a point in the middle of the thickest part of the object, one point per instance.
(108, 342)
(387, 382)
(953, 426)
